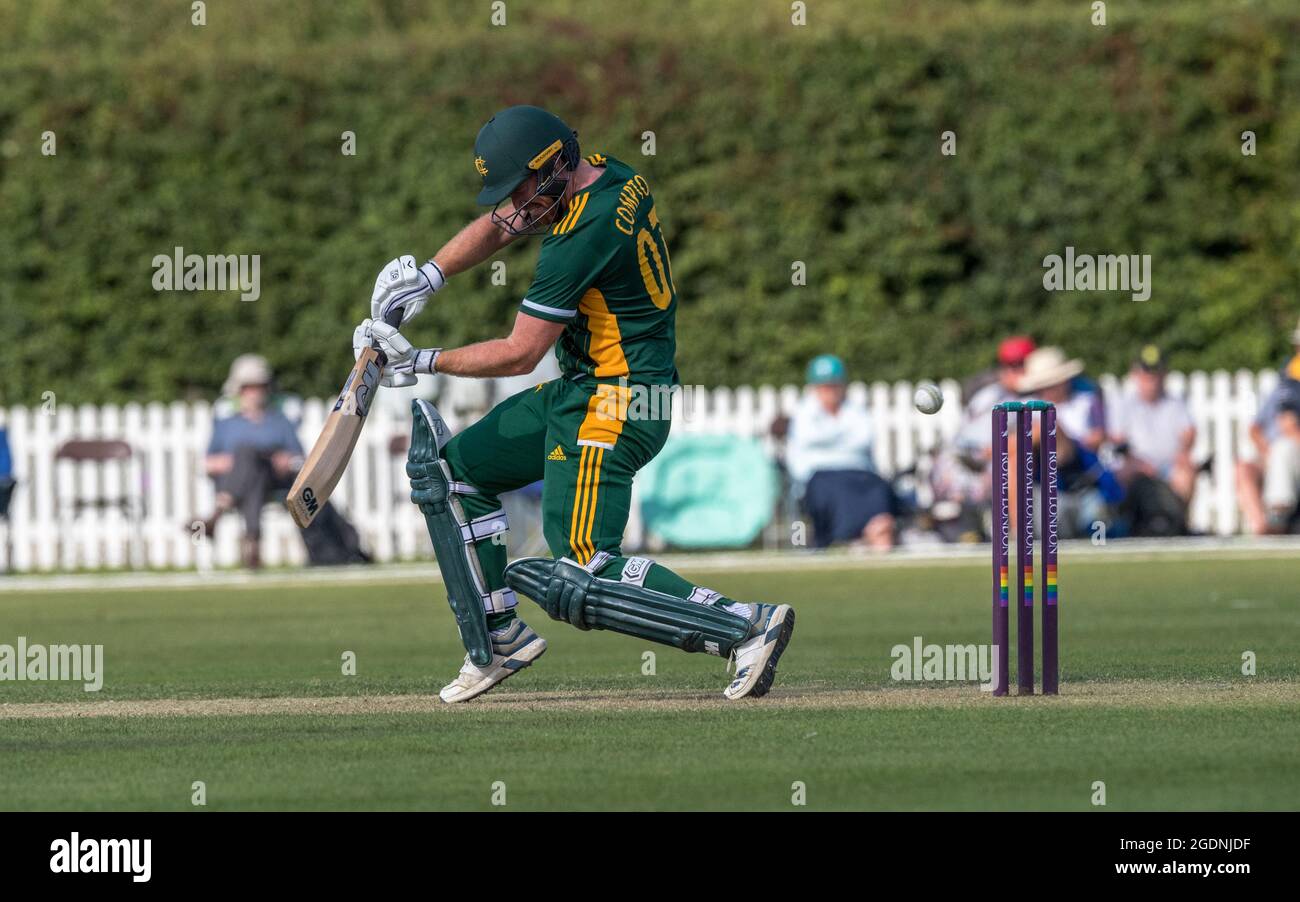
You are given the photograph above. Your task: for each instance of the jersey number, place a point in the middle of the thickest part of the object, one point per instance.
(656, 271)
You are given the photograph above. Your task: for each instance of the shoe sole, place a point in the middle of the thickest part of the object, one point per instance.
(765, 679)
(525, 657)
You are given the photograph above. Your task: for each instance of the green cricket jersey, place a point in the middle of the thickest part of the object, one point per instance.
(604, 273)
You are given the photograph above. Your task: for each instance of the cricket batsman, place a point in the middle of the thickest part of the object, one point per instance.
(603, 296)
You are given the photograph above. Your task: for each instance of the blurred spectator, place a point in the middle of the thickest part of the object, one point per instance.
(6, 474)
(253, 457)
(1282, 472)
(1264, 432)
(960, 478)
(1153, 435)
(974, 441)
(828, 456)
(1088, 491)
(1080, 407)
(997, 385)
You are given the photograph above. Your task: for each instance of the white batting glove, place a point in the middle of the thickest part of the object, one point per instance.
(403, 284)
(404, 360)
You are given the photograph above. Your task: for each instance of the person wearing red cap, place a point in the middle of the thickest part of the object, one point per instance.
(992, 387)
(1013, 351)
(999, 382)
(959, 479)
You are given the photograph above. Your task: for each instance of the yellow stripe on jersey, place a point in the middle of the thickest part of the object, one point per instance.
(596, 159)
(606, 341)
(606, 412)
(575, 210)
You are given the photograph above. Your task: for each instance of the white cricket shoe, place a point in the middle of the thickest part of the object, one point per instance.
(512, 651)
(756, 659)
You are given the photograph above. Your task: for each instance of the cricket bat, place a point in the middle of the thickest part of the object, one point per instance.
(329, 457)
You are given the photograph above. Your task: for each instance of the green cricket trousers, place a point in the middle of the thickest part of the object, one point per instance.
(585, 439)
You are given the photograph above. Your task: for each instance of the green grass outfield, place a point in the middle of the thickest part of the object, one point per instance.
(241, 688)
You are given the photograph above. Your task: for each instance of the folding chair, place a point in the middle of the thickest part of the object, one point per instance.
(104, 453)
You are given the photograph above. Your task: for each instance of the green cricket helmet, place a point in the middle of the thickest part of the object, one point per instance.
(514, 144)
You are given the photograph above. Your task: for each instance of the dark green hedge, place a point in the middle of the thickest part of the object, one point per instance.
(775, 144)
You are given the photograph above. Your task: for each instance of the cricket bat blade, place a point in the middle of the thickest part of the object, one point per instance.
(329, 457)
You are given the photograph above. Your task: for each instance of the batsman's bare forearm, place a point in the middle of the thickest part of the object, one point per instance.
(496, 357)
(472, 245)
(514, 355)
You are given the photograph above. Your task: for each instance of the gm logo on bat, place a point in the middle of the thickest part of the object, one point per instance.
(309, 501)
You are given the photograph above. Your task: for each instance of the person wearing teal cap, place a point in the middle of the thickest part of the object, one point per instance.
(829, 457)
(826, 369)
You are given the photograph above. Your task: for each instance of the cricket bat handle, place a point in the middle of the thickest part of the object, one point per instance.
(393, 318)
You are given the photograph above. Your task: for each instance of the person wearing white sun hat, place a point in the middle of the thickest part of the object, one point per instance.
(1052, 376)
(1089, 491)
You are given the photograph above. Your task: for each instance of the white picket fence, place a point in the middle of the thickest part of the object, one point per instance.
(168, 491)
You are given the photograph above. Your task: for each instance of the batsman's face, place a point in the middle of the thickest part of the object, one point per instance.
(533, 210)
